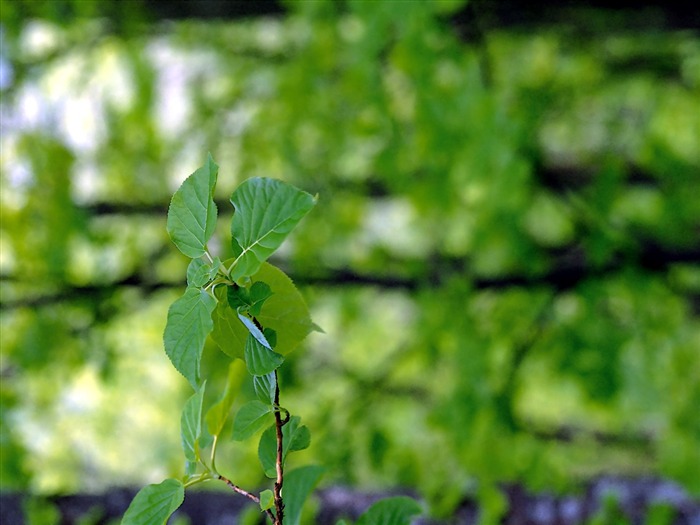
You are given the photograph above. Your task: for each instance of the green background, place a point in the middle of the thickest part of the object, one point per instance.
(504, 255)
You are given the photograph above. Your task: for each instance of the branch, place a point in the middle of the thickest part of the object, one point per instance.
(279, 504)
(245, 493)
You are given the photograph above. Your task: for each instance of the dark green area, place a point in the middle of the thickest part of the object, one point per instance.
(505, 253)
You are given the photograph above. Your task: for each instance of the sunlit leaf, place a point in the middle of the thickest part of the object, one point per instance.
(266, 210)
(188, 325)
(154, 504)
(285, 311)
(192, 212)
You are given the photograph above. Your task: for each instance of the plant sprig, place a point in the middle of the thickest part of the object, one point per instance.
(256, 316)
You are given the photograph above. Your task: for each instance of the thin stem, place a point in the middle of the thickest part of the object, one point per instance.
(245, 493)
(204, 476)
(279, 504)
(206, 252)
(213, 454)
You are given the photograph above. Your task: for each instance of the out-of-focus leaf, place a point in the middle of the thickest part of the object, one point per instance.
(267, 499)
(191, 424)
(298, 484)
(391, 511)
(218, 413)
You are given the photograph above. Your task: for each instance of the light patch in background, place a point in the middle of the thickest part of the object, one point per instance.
(394, 224)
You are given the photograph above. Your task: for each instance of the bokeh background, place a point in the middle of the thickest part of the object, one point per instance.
(505, 256)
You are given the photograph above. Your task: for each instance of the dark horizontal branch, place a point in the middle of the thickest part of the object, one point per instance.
(570, 433)
(558, 178)
(92, 292)
(565, 276)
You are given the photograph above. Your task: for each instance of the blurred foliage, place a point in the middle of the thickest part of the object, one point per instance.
(505, 256)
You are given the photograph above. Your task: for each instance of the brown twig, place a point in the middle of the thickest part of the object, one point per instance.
(247, 494)
(279, 423)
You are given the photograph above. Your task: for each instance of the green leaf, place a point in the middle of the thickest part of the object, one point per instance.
(250, 300)
(260, 360)
(251, 417)
(298, 484)
(265, 387)
(267, 499)
(218, 413)
(391, 511)
(301, 439)
(294, 438)
(154, 504)
(285, 311)
(266, 210)
(192, 212)
(191, 424)
(189, 323)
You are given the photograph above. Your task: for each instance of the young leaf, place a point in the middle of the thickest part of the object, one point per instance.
(198, 273)
(248, 300)
(189, 323)
(390, 511)
(298, 484)
(251, 417)
(218, 413)
(267, 500)
(192, 212)
(238, 297)
(191, 424)
(259, 293)
(266, 210)
(259, 359)
(154, 504)
(265, 387)
(294, 438)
